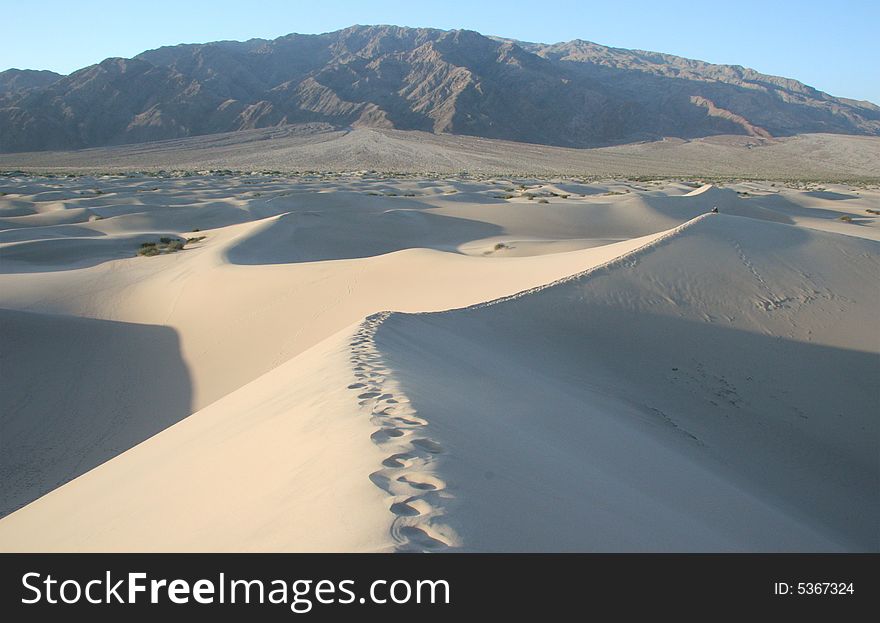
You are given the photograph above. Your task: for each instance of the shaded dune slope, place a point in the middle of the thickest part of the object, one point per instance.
(79, 391)
(687, 396)
(278, 465)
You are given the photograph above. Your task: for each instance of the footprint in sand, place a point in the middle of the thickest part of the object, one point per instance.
(402, 459)
(404, 475)
(404, 510)
(384, 434)
(420, 538)
(422, 482)
(410, 421)
(428, 445)
(381, 480)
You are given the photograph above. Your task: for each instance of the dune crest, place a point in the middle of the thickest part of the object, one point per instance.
(407, 473)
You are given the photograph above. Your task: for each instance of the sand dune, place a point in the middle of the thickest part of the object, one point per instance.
(279, 465)
(710, 389)
(680, 398)
(79, 391)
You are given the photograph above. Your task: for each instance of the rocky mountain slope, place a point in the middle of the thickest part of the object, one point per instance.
(575, 94)
(17, 80)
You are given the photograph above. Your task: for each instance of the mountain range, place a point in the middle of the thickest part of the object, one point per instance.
(573, 94)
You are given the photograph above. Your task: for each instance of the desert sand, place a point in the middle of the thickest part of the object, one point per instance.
(366, 362)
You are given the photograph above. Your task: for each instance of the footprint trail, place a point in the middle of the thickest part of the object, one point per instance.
(408, 473)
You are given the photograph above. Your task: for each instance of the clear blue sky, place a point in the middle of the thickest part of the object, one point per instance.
(832, 46)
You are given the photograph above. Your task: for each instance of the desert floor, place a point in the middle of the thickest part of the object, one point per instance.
(320, 147)
(364, 362)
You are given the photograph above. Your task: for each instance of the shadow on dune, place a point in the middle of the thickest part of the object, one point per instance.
(316, 236)
(23, 234)
(67, 216)
(207, 215)
(580, 189)
(16, 209)
(712, 392)
(75, 392)
(684, 207)
(548, 422)
(785, 206)
(69, 253)
(829, 195)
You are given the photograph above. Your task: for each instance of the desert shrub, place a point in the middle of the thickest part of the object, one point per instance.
(846, 219)
(543, 201)
(165, 245)
(196, 239)
(500, 246)
(870, 211)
